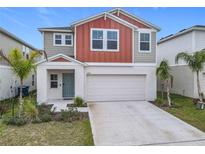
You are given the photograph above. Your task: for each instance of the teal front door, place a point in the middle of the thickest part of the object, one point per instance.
(68, 85)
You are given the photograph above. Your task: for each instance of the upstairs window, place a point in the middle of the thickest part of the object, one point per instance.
(63, 39)
(104, 40)
(144, 42)
(58, 39)
(112, 40)
(68, 39)
(97, 39)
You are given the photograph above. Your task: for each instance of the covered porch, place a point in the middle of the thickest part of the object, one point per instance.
(59, 80)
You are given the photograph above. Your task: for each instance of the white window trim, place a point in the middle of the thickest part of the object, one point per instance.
(63, 39)
(105, 40)
(150, 40)
(53, 81)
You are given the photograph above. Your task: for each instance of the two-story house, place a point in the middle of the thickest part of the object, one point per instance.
(8, 81)
(188, 40)
(107, 57)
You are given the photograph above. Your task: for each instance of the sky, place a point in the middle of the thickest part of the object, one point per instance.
(23, 22)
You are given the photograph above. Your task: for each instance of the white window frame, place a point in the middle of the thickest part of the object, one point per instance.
(150, 40)
(63, 35)
(54, 81)
(104, 40)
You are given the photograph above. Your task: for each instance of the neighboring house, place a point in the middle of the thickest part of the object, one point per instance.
(107, 57)
(8, 81)
(187, 40)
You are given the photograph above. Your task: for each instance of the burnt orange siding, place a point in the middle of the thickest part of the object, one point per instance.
(83, 52)
(130, 20)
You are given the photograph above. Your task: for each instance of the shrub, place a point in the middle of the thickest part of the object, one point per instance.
(18, 121)
(3, 108)
(30, 110)
(78, 101)
(44, 108)
(159, 101)
(70, 114)
(45, 117)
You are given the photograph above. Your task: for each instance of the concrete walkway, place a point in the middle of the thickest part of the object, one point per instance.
(139, 123)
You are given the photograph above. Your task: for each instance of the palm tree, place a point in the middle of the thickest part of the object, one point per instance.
(163, 74)
(195, 62)
(21, 66)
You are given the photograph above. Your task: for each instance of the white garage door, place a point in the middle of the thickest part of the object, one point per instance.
(115, 87)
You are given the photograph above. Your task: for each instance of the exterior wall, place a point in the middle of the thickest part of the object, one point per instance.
(130, 20)
(7, 43)
(199, 40)
(169, 49)
(56, 93)
(43, 71)
(9, 80)
(149, 71)
(181, 86)
(202, 83)
(53, 50)
(144, 57)
(84, 53)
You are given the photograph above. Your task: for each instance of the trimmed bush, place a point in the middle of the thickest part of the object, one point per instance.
(78, 102)
(70, 114)
(15, 121)
(45, 117)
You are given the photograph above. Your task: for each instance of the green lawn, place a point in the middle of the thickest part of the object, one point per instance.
(51, 133)
(187, 111)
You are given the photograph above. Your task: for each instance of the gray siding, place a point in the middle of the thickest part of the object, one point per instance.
(7, 43)
(144, 57)
(53, 50)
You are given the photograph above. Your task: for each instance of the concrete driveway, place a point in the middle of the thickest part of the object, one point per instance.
(139, 123)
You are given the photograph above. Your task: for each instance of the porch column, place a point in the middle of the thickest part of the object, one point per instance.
(42, 81)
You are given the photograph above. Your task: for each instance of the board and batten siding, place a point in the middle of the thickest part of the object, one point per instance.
(53, 50)
(131, 20)
(140, 57)
(83, 50)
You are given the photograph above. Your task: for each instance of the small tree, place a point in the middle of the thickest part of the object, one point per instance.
(163, 74)
(21, 66)
(195, 62)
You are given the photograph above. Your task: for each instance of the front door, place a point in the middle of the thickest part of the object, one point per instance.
(68, 85)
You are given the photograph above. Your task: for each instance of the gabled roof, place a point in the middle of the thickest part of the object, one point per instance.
(181, 32)
(5, 32)
(60, 56)
(137, 18)
(57, 29)
(105, 14)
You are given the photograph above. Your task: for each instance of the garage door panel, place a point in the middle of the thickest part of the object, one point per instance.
(115, 87)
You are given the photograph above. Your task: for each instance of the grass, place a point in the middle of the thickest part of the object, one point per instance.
(52, 133)
(186, 111)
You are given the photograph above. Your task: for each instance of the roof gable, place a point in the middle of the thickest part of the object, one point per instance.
(134, 17)
(60, 58)
(105, 15)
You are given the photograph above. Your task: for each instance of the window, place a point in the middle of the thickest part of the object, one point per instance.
(112, 40)
(104, 40)
(68, 39)
(63, 39)
(144, 42)
(54, 80)
(33, 80)
(23, 50)
(58, 39)
(97, 39)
